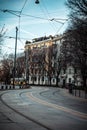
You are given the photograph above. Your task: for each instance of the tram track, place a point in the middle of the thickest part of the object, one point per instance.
(21, 114)
(76, 113)
(34, 97)
(81, 115)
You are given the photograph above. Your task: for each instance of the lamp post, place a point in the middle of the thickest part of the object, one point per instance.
(14, 68)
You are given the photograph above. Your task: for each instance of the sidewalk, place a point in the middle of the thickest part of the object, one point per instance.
(9, 87)
(5, 87)
(79, 93)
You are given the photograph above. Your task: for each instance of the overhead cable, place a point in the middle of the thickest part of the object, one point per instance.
(23, 6)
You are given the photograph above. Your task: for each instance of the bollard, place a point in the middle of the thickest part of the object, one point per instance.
(70, 88)
(6, 87)
(85, 94)
(2, 87)
(9, 87)
(79, 92)
(75, 91)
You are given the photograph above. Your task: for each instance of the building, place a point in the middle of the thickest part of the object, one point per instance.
(43, 65)
(19, 67)
(41, 55)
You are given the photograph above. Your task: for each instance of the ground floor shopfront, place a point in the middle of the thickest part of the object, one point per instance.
(53, 80)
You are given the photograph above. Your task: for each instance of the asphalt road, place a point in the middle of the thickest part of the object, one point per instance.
(42, 108)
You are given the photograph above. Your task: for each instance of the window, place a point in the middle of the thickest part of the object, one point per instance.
(58, 79)
(69, 71)
(69, 80)
(53, 80)
(31, 78)
(64, 71)
(75, 70)
(35, 78)
(42, 78)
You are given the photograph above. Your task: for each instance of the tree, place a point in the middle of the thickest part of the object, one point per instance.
(75, 38)
(57, 59)
(6, 75)
(49, 64)
(77, 7)
(2, 33)
(20, 66)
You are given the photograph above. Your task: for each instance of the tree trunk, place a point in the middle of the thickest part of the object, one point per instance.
(84, 83)
(57, 81)
(50, 80)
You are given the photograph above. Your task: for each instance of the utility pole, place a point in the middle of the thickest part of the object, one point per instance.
(27, 66)
(14, 68)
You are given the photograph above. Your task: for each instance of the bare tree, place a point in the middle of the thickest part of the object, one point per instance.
(75, 39)
(20, 66)
(6, 75)
(77, 7)
(2, 33)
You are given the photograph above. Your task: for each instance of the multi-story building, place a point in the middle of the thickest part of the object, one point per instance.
(20, 65)
(42, 62)
(41, 58)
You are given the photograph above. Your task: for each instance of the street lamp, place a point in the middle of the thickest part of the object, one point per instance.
(37, 2)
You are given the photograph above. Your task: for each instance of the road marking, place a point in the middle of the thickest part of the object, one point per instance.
(58, 107)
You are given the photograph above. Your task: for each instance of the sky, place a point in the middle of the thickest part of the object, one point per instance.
(49, 17)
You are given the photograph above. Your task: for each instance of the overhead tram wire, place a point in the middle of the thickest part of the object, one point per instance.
(53, 19)
(23, 6)
(61, 26)
(59, 20)
(9, 47)
(56, 19)
(18, 37)
(16, 13)
(9, 37)
(38, 17)
(32, 16)
(52, 24)
(21, 41)
(46, 14)
(20, 14)
(11, 12)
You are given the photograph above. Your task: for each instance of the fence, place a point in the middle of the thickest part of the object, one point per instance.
(7, 87)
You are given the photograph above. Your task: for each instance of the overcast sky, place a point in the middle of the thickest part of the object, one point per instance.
(36, 20)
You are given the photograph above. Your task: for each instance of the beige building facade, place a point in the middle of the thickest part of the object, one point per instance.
(41, 56)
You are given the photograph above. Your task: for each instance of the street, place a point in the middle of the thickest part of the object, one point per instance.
(42, 108)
